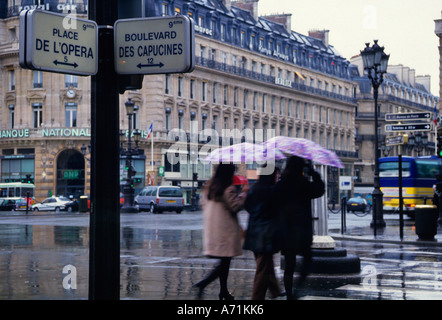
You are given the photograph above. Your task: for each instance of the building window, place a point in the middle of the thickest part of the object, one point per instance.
(167, 114)
(204, 121)
(70, 81)
(180, 86)
(246, 98)
(37, 115)
(264, 102)
(37, 79)
(255, 101)
(70, 115)
(215, 123)
(167, 84)
(204, 91)
(11, 78)
(215, 92)
(223, 32)
(11, 118)
(180, 119)
(226, 87)
(164, 9)
(235, 97)
(281, 106)
(192, 88)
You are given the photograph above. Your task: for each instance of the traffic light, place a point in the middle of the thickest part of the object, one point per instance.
(439, 146)
(28, 179)
(195, 176)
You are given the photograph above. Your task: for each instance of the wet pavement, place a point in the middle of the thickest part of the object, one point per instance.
(45, 256)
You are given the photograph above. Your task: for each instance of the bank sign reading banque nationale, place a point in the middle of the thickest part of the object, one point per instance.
(53, 132)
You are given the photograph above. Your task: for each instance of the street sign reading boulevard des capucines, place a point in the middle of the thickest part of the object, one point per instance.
(58, 43)
(154, 45)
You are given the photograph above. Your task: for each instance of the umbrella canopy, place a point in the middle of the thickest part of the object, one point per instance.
(244, 152)
(239, 180)
(304, 148)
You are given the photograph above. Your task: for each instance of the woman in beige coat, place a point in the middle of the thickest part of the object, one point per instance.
(222, 232)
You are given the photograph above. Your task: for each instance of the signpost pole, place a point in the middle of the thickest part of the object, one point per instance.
(104, 259)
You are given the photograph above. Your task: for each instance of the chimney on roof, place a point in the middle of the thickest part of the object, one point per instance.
(227, 4)
(285, 19)
(320, 35)
(248, 5)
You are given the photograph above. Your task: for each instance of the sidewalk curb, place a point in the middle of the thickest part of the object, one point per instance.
(389, 241)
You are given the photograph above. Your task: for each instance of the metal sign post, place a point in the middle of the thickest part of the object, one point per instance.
(104, 253)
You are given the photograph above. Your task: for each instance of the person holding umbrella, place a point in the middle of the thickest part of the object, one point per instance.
(294, 193)
(261, 234)
(222, 234)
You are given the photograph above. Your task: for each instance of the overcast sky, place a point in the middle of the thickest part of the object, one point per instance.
(404, 27)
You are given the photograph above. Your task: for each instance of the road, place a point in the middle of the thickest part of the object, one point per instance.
(161, 258)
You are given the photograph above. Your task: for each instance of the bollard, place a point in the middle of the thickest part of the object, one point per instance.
(426, 221)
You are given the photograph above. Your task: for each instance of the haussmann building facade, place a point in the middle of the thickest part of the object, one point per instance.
(252, 73)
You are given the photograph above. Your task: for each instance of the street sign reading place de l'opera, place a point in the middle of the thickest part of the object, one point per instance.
(154, 45)
(58, 43)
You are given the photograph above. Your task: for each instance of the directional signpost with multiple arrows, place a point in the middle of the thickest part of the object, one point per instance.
(58, 43)
(413, 116)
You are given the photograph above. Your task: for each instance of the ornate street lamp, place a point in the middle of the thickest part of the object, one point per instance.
(418, 142)
(128, 189)
(375, 63)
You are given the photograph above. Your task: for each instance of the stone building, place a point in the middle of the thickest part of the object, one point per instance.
(252, 73)
(401, 92)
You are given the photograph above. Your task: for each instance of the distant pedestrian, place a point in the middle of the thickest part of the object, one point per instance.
(261, 234)
(294, 193)
(222, 232)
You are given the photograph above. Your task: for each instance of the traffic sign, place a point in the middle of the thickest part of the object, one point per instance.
(408, 116)
(396, 140)
(58, 43)
(154, 45)
(408, 127)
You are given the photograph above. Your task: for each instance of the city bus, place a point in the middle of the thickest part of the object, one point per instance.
(16, 191)
(419, 175)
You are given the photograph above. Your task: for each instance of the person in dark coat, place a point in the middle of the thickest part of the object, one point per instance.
(260, 235)
(294, 193)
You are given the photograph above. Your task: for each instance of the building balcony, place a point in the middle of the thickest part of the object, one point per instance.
(242, 72)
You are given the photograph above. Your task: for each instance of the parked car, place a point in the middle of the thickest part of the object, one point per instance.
(160, 198)
(7, 205)
(357, 204)
(20, 204)
(72, 206)
(52, 204)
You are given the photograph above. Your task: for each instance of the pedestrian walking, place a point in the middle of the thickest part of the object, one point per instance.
(294, 193)
(222, 235)
(261, 234)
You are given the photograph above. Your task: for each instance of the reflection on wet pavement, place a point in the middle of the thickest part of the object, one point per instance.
(161, 258)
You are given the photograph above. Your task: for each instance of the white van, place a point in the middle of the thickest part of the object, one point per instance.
(160, 198)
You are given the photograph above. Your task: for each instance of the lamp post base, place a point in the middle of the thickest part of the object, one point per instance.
(378, 210)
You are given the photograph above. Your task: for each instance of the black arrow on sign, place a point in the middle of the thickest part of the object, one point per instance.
(56, 62)
(150, 65)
